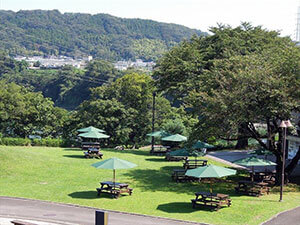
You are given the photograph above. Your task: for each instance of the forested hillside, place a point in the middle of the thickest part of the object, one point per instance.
(75, 34)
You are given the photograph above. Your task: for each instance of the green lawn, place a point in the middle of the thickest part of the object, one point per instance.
(63, 175)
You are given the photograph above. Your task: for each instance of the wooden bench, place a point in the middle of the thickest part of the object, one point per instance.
(175, 158)
(252, 188)
(211, 200)
(114, 189)
(194, 163)
(178, 175)
(93, 154)
(19, 222)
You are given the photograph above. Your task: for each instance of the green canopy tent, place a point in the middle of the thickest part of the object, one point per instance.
(261, 151)
(201, 145)
(175, 138)
(210, 171)
(90, 129)
(114, 164)
(254, 161)
(158, 134)
(94, 135)
(185, 152)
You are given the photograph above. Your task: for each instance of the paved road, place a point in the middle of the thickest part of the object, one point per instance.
(21, 208)
(291, 217)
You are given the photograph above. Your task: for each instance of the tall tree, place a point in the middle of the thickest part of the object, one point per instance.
(244, 76)
(186, 64)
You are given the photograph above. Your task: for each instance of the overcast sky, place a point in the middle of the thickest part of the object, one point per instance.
(277, 15)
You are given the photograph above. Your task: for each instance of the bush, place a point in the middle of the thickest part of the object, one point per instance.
(15, 141)
(49, 142)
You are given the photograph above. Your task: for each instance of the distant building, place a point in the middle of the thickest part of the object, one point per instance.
(138, 64)
(54, 61)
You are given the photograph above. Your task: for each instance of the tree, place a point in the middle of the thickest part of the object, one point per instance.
(244, 76)
(186, 64)
(23, 112)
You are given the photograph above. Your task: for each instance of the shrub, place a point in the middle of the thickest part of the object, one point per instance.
(15, 141)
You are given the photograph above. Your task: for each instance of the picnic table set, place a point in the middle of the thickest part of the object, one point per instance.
(193, 170)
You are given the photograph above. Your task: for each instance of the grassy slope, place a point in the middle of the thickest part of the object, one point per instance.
(63, 175)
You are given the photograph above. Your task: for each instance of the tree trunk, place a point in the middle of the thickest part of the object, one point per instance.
(292, 165)
(242, 142)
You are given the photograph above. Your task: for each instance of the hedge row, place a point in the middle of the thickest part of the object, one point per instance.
(50, 142)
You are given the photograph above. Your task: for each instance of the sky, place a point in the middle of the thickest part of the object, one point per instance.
(279, 15)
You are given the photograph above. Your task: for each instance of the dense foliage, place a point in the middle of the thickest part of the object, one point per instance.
(124, 110)
(233, 79)
(23, 113)
(75, 34)
(67, 87)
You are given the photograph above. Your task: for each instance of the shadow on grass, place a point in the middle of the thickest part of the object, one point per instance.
(75, 156)
(160, 180)
(72, 149)
(156, 160)
(128, 151)
(84, 195)
(180, 207)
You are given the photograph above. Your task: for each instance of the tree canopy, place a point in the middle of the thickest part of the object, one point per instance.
(233, 79)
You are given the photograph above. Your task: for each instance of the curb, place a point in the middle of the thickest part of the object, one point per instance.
(278, 214)
(113, 211)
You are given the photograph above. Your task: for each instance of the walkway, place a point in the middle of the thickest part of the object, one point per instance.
(65, 214)
(291, 217)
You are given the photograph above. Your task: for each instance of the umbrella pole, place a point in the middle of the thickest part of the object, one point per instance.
(114, 178)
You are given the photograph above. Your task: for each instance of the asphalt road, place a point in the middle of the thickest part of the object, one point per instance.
(65, 214)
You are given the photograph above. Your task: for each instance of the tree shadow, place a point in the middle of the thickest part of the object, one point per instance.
(156, 160)
(176, 207)
(75, 156)
(181, 207)
(84, 195)
(72, 149)
(128, 151)
(160, 180)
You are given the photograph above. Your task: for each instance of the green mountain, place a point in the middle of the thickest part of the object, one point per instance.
(76, 34)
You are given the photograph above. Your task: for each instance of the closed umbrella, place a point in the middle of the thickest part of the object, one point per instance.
(90, 128)
(210, 171)
(114, 164)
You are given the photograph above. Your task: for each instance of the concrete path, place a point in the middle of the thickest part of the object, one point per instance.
(291, 217)
(65, 214)
(227, 157)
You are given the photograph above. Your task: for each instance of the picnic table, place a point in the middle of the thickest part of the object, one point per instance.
(212, 200)
(178, 175)
(89, 145)
(264, 176)
(160, 150)
(113, 188)
(93, 153)
(194, 163)
(252, 188)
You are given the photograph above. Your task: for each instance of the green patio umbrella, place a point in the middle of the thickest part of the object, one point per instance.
(114, 164)
(175, 138)
(90, 128)
(160, 133)
(210, 171)
(254, 161)
(93, 134)
(200, 144)
(261, 151)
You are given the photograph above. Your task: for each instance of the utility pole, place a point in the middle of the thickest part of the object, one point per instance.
(153, 120)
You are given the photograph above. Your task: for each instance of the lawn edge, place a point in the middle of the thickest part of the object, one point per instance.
(278, 214)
